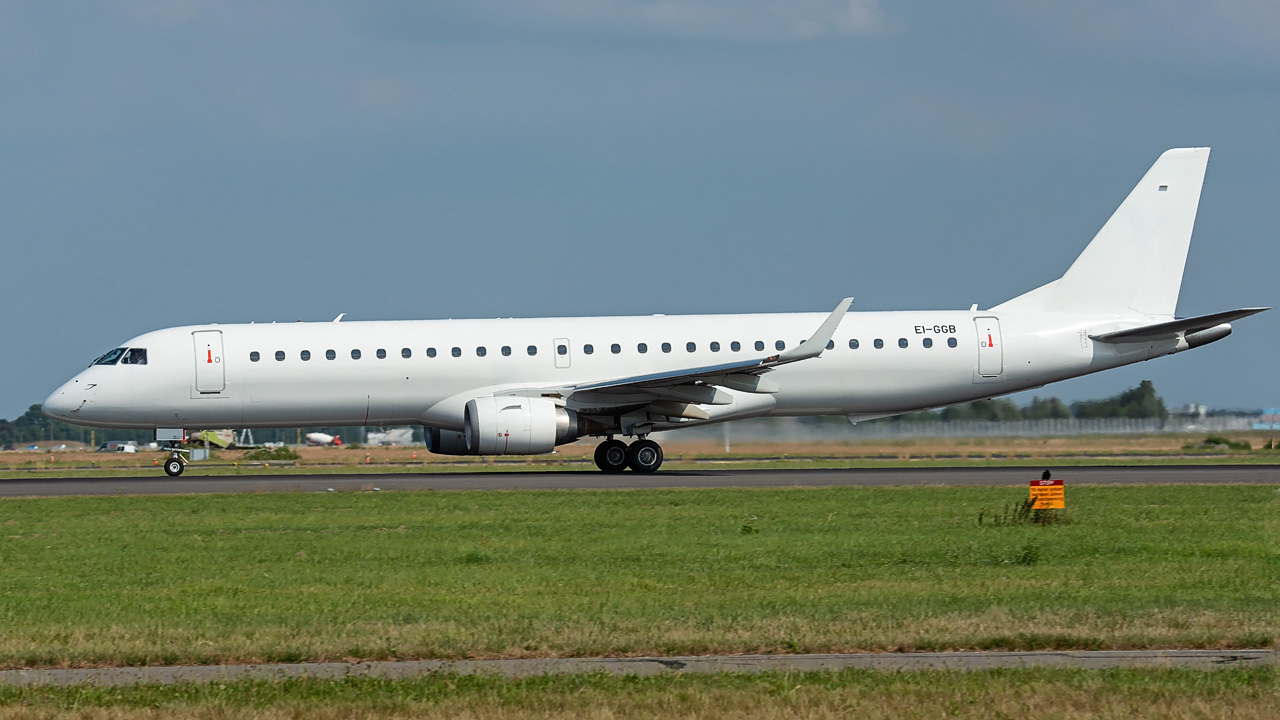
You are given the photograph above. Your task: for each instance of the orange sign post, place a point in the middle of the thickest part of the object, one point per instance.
(1048, 495)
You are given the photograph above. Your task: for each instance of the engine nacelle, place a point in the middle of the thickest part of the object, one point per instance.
(1204, 337)
(517, 426)
(446, 442)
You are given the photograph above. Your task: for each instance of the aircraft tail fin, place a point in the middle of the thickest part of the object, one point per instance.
(1135, 262)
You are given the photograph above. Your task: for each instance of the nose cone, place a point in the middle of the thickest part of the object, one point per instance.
(58, 404)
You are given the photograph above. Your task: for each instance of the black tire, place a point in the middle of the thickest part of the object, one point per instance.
(644, 456)
(173, 467)
(611, 456)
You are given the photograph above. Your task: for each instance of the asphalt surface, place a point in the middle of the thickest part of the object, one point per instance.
(156, 483)
(887, 662)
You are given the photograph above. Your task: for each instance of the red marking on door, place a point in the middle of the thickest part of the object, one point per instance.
(990, 342)
(210, 355)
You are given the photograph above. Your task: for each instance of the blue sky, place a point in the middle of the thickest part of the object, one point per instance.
(183, 161)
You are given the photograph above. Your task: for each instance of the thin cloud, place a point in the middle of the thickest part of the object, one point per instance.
(771, 20)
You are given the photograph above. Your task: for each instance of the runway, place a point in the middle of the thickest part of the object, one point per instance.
(156, 483)
(884, 662)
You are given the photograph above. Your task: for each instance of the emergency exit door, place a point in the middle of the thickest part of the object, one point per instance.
(210, 372)
(561, 349)
(990, 347)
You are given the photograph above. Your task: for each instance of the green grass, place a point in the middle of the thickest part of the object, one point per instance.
(672, 463)
(286, 577)
(1237, 693)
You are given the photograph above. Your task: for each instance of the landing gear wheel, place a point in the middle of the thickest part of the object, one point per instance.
(173, 467)
(644, 456)
(611, 456)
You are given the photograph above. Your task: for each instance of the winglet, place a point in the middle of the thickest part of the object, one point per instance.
(814, 346)
(339, 318)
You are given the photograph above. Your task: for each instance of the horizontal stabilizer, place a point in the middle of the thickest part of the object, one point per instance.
(1172, 329)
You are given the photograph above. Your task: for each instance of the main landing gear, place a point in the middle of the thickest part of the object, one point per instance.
(642, 456)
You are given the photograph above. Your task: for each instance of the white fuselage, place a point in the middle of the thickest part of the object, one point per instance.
(424, 372)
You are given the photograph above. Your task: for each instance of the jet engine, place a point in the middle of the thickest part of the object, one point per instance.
(446, 442)
(508, 426)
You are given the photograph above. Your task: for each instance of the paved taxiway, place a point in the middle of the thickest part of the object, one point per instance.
(159, 484)
(888, 662)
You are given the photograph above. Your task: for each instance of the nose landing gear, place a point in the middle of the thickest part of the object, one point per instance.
(174, 466)
(642, 456)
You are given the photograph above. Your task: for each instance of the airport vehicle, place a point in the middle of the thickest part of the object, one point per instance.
(393, 436)
(524, 386)
(319, 438)
(124, 446)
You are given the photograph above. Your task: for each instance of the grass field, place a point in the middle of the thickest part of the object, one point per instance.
(285, 577)
(1063, 694)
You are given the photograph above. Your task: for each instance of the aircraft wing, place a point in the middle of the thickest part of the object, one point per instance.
(742, 375)
(1172, 329)
(810, 348)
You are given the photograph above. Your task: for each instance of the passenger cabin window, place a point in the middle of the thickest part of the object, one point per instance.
(481, 352)
(110, 358)
(382, 354)
(254, 356)
(735, 346)
(951, 342)
(759, 346)
(615, 348)
(853, 344)
(329, 354)
(831, 344)
(878, 343)
(305, 355)
(690, 347)
(355, 354)
(134, 356)
(666, 347)
(506, 351)
(715, 347)
(431, 352)
(588, 349)
(533, 349)
(562, 349)
(902, 342)
(642, 348)
(456, 352)
(279, 356)
(927, 342)
(780, 345)
(406, 353)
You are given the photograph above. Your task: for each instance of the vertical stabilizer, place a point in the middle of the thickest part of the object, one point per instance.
(1134, 264)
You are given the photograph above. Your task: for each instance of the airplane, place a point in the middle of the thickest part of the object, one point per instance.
(319, 438)
(524, 386)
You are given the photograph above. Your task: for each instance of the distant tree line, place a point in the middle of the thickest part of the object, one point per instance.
(1139, 402)
(33, 427)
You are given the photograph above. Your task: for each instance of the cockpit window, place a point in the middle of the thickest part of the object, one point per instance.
(110, 358)
(134, 356)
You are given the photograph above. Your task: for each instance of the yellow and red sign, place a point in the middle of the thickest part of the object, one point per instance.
(1048, 495)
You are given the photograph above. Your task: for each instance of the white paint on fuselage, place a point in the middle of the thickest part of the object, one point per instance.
(1036, 349)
